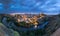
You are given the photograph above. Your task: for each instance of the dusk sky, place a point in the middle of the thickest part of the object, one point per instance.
(30, 6)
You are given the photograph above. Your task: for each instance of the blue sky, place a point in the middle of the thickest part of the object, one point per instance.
(27, 6)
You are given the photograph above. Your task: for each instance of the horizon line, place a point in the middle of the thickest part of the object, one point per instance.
(36, 13)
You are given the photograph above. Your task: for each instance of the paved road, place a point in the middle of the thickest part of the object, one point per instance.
(56, 33)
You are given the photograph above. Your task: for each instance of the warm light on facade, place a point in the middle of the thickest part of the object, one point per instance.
(18, 20)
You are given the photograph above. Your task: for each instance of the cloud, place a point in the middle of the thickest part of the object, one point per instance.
(50, 6)
(36, 5)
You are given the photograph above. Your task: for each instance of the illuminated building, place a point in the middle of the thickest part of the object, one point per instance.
(18, 20)
(42, 15)
(24, 17)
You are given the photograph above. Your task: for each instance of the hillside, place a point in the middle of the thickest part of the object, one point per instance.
(4, 31)
(53, 25)
(50, 28)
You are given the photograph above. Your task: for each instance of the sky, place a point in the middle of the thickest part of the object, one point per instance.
(30, 6)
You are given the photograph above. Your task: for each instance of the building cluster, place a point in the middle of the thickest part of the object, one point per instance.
(27, 19)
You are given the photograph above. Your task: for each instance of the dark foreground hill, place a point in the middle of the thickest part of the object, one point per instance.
(4, 31)
(53, 25)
